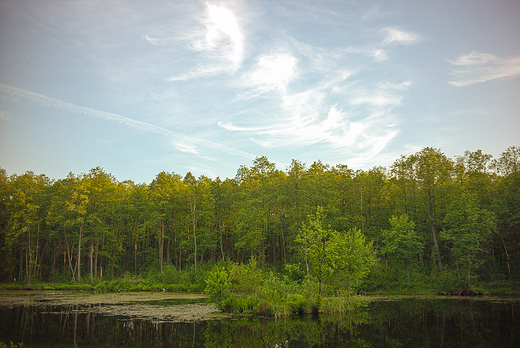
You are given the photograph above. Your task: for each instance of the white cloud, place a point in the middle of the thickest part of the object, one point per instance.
(185, 147)
(222, 32)
(272, 72)
(222, 44)
(379, 55)
(303, 122)
(474, 58)
(341, 110)
(479, 67)
(376, 100)
(394, 35)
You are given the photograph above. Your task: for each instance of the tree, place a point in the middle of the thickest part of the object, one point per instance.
(507, 207)
(327, 252)
(256, 206)
(165, 192)
(350, 257)
(201, 206)
(103, 220)
(313, 239)
(26, 204)
(433, 170)
(467, 227)
(401, 241)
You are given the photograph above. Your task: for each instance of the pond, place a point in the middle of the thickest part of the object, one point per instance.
(52, 319)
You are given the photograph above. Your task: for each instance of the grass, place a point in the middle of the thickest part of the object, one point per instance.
(169, 280)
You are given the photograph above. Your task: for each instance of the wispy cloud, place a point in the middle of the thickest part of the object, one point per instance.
(182, 142)
(222, 43)
(394, 35)
(478, 67)
(340, 109)
(306, 118)
(379, 55)
(272, 72)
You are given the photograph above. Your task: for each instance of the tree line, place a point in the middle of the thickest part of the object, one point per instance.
(425, 213)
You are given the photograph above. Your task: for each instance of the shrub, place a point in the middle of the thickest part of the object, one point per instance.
(445, 281)
(298, 303)
(218, 285)
(246, 277)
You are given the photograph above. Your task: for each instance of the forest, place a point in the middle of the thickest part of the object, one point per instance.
(427, 216)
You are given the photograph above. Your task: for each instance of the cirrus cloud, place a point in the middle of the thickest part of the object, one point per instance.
(478, 67)
(400, 36)
(222, 43)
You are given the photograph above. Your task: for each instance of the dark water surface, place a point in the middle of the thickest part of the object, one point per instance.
(409, 322)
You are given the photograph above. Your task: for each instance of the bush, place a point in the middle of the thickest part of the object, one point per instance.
(241, 304)
(445, 281)
(298, 303)
(246, 278)
(218, 286)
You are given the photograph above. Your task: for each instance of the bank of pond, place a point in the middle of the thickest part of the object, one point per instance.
(164, 319)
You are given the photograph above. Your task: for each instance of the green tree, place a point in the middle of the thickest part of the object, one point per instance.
(166, 193)
(346, 255)
(26, 208)
(401, 242)
(103, 220)
(507, 207)
(60, 218)
(467, 227)
(201, 206)
(314, 241)
(256, 206)
(350, 257)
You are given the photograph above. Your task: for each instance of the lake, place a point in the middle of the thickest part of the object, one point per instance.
(52, 319)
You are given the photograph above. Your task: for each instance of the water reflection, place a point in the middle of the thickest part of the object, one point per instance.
(407, 323)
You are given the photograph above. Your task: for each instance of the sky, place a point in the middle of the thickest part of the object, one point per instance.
(140, 87)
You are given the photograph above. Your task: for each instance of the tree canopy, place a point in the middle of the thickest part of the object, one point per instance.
(427, 211)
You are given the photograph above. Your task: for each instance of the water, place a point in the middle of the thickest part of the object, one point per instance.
(390, 323)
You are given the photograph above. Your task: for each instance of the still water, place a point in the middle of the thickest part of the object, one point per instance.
(405, 322)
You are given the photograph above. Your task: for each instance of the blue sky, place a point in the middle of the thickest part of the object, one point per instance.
(140, 87)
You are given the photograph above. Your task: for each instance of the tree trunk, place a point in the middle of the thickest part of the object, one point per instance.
(69, 259)
(161, 246)
(96, 253)
(221, 241)
(91, 256)
(193, 215)
(37, 252)
(507, 257)
(27, 267)
(20, 271)
(168, 246)
(431, 199)
(79, 253)
(28, 258)
(135, 258)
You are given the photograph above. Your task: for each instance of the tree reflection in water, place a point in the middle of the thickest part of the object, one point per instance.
(410, 322)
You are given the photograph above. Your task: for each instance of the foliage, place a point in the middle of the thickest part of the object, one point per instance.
(317, 224)
(345, 256)
(467, 228)
(402, 243)
(218, 285)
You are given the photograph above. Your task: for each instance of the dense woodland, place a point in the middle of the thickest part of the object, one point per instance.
(424, 214)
